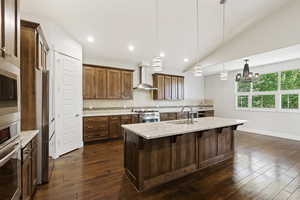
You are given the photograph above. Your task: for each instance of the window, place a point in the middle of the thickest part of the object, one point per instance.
(263, 101)
(244, 86)
(266, 83)
(243, 101)
(290, 101)
(278, 91)
(290, 80)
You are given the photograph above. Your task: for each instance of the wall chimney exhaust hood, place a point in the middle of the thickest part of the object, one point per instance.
(142, 85)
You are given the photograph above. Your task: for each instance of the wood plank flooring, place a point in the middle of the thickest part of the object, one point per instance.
(264, 168)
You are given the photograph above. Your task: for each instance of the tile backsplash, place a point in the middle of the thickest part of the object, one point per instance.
(141, 99)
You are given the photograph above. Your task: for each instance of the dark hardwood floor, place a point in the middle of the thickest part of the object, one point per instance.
(264, 168)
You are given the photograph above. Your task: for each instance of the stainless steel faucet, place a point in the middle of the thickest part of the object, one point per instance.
(190, 114)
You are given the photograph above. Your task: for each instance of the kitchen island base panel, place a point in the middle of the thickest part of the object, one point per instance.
(149, 163)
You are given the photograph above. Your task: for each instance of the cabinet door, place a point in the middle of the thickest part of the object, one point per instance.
(115, 127)
(135, 119)
(159, 82)
(174, 88)
(126, 119)
(95, 128)
(180, 88)
(168, 87)
(127, 85)
(172, 116)
(10, 32)
(164, 116)
(113, 84)
(100, 80)
(26, 178)
(225, 141)
(89, 83)
(208, 148)
(209, 113)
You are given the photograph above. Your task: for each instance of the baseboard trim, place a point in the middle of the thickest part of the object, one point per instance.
(271, 133)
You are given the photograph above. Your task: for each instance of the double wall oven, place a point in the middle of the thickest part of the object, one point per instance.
(10, 147)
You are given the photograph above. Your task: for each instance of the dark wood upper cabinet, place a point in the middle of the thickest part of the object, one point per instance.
(31, 34)
(107, 83)
(113, 84)
(10, 31)
(180, 88)
(100, 83)
(127, 85)
(170, 87)
(89, 83)
(159, 83)
(174, 88)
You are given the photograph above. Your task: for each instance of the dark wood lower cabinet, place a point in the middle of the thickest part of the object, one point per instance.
(29, 169)
(115, 130)
(109, 127)
(149, 163)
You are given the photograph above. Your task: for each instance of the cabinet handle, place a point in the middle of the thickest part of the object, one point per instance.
(3, 49)
(77, 115)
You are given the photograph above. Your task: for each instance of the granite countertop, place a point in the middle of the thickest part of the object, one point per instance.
(170, 128)
(27, 136)
(98, 113)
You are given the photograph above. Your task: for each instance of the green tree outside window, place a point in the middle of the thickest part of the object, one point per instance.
(244, 86)
(263, 101)
(290, 101)
(266, 83)
(243, 101)
(290, 80)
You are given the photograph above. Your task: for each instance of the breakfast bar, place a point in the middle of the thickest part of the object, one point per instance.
(156, 153)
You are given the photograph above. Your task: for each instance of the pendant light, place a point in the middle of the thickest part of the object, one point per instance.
(197, 69)
(224, 73)
(247, 76)
(157, 60)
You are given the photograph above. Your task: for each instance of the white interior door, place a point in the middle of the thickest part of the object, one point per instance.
(68, 103)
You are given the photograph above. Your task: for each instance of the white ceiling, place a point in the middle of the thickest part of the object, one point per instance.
(117, 23)
(275, 56)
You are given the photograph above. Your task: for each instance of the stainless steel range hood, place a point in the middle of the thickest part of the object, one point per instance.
(142, 85)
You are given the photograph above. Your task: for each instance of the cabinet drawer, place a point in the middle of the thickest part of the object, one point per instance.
(126, 117)
(34, 144)
(114, 118)
(26, 152)
(96, 135)
(95, 119)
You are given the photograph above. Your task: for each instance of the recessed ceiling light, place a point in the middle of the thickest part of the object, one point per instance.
(162, 54)
(131, 48)
(90, 39)
(186, 60)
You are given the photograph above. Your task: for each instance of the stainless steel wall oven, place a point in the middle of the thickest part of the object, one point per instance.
(10, 163)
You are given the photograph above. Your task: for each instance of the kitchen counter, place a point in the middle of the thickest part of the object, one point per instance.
(27, 136)
(157, 153)
(171, 128)
(99, 113)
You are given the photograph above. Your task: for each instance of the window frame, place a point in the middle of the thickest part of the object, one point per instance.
(277, 94)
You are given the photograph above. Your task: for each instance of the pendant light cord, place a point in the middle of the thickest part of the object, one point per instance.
(223, 27)
(157, 24)
(197, 26)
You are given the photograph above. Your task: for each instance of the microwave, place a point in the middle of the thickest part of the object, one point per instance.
(9, 95)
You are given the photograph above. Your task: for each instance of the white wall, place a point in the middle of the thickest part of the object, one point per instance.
(194, 90)
(280, 29)
(278, 124)
(58, 39)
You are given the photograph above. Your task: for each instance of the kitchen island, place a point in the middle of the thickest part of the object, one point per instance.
(156, 153)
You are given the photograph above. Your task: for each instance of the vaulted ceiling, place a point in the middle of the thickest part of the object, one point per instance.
(117, 23)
